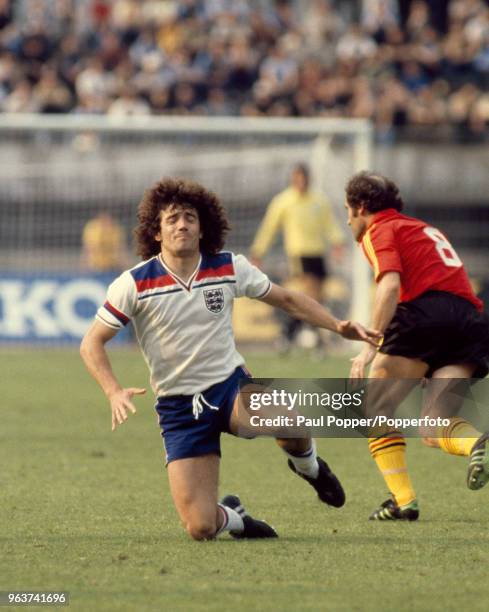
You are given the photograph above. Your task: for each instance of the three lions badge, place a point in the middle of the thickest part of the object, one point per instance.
(214, 300)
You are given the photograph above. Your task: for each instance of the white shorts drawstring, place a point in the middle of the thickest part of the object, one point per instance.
(198, 402)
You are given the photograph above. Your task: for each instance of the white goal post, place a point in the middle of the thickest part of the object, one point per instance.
(55, 170)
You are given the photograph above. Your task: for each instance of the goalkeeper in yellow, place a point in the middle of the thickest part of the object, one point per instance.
(309, 229)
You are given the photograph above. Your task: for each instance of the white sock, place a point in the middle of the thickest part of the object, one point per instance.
(306, 463)
(231, 520)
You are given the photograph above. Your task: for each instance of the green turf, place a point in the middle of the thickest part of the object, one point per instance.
(86, 510)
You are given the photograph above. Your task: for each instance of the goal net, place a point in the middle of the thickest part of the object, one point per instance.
(59, 172)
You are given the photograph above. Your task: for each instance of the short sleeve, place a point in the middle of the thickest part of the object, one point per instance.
(250, 281)
(121, 302)
(380, 246)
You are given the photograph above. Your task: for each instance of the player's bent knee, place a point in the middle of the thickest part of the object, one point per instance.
(202, 530)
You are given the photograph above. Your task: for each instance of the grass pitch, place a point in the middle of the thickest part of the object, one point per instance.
(86, 510)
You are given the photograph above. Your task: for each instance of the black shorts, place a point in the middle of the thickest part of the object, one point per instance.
(313, 266)
(440, 329)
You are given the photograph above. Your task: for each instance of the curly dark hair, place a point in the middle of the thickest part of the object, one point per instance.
(182, 192)
(374, 191)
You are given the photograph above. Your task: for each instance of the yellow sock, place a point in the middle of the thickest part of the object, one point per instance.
(389, 453)
(459, 437)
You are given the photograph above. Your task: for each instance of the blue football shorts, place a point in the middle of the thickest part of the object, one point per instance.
(191, 425)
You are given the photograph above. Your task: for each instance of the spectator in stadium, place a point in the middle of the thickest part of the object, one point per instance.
(392, 107)
(5, 13)
(429, 106)
(68, 60)
(256, 56)
(434, 328)
(460, 106)
(243, 62)
(479, 116)
(362, 103)
(278, 72)
(322, 26)
(309, 228)
(104, 247)
(378, 16)
(94, 81)
(145, 45)
(418, 19)
(159, 100)
(21, 99)
(413, 77)
(51, 94)
(184, 99)
(355, 45)
(180, 301)
(217, 103)
(128, 103)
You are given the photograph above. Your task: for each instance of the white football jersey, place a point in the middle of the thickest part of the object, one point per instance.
(184, 329)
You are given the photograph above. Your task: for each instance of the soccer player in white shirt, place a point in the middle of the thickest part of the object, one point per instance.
(180, 302)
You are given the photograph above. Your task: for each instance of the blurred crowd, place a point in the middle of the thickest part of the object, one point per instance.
(387, 60)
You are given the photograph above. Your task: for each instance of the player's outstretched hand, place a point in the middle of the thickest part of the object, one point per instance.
(361, 361)
(354, 331)
(121, 404)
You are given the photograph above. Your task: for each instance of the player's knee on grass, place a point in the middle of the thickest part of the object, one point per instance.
(201, 529)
